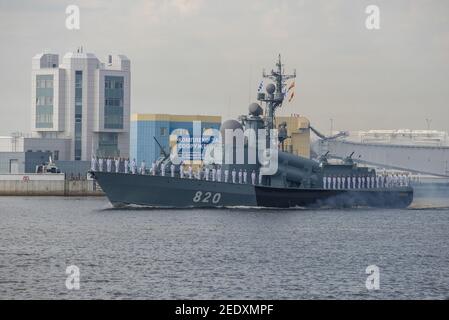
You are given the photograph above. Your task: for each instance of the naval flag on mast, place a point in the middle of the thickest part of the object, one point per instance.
(287, 90)
(292, 95)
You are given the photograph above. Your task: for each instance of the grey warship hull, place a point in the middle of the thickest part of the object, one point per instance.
(167, 192)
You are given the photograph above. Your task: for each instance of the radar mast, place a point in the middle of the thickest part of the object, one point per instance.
(275, 94)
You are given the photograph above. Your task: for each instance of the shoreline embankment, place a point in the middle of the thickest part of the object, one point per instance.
(47, 185)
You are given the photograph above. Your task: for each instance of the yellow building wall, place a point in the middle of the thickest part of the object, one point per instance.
(299, 135)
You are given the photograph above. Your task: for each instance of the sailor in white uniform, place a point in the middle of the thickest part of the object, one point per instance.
(233, 175)
(260, 178)
(334, 182)
(338, 182)
(117, 165)
(206, 173)
(214, 174)
(253, 177)
(219, 174)
(324, 182)
(240, 176)
(329, 182)
(226, 175)
(172, 170)
(245, 177)
(100, 164)
(181, 171)
(126, 164)
(133, 166)
(93, 164)
(143, 167)
(153, 168)
(163, 169)
(190, 172)
(109, 164)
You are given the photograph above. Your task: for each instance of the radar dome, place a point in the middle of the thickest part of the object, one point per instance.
(271, 88)
(231, 124)
(255, 109)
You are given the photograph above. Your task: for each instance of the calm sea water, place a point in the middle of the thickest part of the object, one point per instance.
(220, 254)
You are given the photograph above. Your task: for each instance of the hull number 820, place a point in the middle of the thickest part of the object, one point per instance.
(207, 197)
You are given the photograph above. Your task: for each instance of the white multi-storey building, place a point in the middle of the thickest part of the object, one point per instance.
(83, 100)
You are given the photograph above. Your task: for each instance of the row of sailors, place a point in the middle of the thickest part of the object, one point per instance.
(365, 182)
(212, 174)
(215, 174)
(107, 164)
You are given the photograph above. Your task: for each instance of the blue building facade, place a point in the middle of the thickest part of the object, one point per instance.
(146, 126)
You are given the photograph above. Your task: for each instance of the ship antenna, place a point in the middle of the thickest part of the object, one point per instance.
(275, 95)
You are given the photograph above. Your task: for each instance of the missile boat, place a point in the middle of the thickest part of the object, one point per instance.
(295, 182)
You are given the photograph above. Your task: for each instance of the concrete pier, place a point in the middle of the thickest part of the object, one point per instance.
(46, 185)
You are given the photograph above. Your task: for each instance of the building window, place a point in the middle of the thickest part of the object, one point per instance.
(108, 145)
(56, 155)
(113, 102)
(163, 131)
(44, 101)
(78, 113)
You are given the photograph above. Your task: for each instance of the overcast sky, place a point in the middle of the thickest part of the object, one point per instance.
(206, 56)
